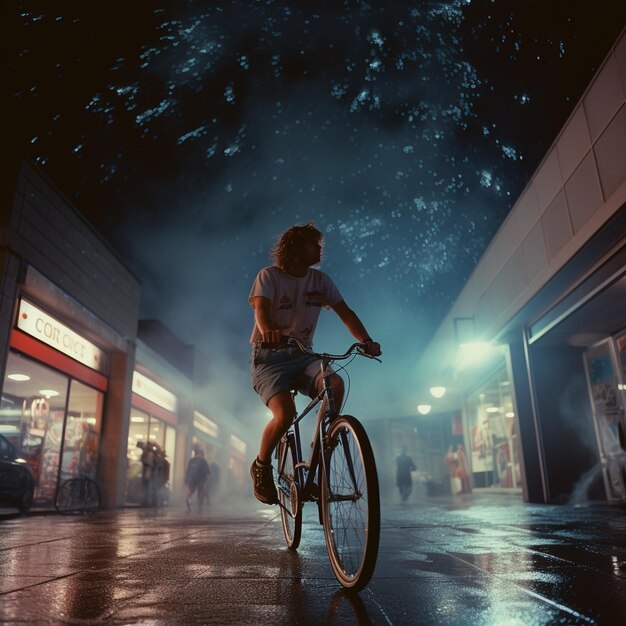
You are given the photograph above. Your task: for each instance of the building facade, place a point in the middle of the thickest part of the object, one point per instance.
(86, 387)
(533, 350)
(68, 320)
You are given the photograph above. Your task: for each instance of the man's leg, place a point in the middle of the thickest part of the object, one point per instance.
(283, 410)
(190, 489)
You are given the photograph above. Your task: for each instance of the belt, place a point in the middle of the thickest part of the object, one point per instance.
(274, 346)
(283, 344)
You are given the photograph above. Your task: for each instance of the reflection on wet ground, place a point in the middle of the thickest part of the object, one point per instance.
(479, 560)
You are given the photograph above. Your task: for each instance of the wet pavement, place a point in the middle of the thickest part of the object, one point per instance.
(479, 559)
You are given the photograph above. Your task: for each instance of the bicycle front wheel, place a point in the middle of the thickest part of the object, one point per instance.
(350, 503)
(91, 496)
(290, 507)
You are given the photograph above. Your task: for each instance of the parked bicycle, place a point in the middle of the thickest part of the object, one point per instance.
(77, 495)
(340, 477)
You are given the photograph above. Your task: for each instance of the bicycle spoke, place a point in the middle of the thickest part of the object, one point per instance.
(348, 498)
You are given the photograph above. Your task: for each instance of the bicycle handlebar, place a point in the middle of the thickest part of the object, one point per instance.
(355, 348)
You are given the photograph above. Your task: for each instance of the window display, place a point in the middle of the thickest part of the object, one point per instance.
(495, 455)
(150, 457)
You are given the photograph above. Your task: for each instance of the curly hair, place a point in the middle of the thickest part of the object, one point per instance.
(286, 250)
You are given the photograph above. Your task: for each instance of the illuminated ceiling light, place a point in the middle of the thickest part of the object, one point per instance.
(424, 409)
(509, 414)
(18, 377)
(437, 392)
(138, 419)
(48, 393)
(493, 409)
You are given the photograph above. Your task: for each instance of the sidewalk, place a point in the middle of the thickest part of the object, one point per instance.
(480, 559)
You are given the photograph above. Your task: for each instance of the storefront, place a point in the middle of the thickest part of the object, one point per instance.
(491, 434)
(549, 292)
(206, 437)
(52, 398)
(151, 451)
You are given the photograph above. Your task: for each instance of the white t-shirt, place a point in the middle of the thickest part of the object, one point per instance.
(295, 302)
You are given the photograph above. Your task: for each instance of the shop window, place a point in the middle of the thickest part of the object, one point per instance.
(82, 431)
(494, 443)
(170, 448)
(49, 417)
(147, 431)
(138, 432)
(157, 433)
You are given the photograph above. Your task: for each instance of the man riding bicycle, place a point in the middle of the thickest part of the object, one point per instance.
(287, 298)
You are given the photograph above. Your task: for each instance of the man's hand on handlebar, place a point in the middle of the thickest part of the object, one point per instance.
(372, 348)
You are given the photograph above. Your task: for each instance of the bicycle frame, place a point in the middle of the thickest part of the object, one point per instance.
(306, 471)
(346, 492)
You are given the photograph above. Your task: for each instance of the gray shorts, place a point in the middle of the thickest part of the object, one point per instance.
(283, 369)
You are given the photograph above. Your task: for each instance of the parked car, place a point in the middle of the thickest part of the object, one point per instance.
(16, 478)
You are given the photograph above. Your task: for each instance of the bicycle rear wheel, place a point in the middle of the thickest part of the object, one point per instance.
(91, 496)
(290, 506)
(77, 495)
(350, 503)
(68, 497)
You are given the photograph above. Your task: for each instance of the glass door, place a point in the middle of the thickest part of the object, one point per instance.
(81, 439)
(603, 385)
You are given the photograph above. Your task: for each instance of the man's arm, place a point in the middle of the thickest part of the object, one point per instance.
(356, 328)
(263, 320)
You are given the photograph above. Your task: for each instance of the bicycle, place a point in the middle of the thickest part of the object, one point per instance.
(77, 495)
(346, 490)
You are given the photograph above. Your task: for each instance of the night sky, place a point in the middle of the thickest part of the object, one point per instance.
(192, 133)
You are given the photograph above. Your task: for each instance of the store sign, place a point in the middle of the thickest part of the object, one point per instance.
(207, 426)
(152, 391)
(50, 331)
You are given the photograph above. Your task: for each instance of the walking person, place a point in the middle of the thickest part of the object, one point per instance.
(287, 299)
(196, 477)
(404, 480)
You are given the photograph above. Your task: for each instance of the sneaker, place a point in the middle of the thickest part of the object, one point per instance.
(263, 482)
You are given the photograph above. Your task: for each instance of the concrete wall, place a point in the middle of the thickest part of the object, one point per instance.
(578, 186)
